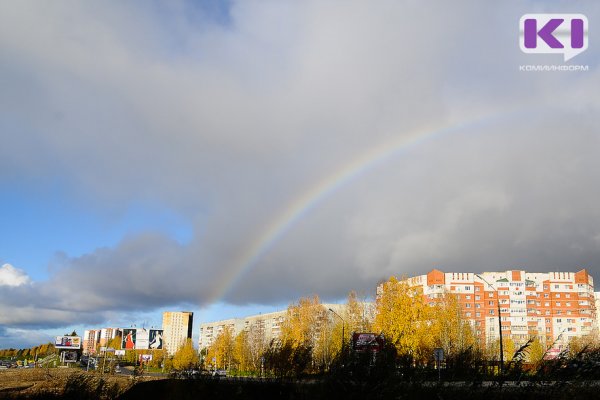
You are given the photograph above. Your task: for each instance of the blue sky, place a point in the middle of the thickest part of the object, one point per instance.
(229, 158)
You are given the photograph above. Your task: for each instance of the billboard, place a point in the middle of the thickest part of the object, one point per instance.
(156, 339)
(145, 357)
(367, 342)
(129, 338)
(119, 352)
(141, 339)
(69, 356)
(67, 342)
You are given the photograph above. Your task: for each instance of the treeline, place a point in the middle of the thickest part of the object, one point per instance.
(31, 353)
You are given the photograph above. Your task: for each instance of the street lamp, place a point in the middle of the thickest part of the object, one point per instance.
(499, 321)
(343, 324)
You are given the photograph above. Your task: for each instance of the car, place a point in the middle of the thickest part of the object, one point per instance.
(219, 373)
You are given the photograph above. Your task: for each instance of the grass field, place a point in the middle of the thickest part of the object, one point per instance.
(63, 383)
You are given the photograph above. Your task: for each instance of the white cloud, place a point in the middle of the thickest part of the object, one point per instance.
(11, 276)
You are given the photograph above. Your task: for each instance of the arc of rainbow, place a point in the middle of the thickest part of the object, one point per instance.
(325, 187)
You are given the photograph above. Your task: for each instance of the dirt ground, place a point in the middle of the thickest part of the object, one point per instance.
(62, 382)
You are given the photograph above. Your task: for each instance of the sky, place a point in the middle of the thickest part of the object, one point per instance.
(231, 157)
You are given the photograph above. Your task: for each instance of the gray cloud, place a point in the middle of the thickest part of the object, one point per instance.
(230, 122)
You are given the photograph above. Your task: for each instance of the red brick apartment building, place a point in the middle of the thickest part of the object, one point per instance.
(555, 306)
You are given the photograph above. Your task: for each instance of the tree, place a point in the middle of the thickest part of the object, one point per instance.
(509, 348)
(222, 349)
(115, 343)
(451, 331)
(404, 318)
(536, 352)
(257, 345)
(302, 321)
(241, 351)
(357, 314)
(186, 357)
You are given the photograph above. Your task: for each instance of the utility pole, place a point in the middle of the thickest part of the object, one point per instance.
(499, 322)
(343, 332)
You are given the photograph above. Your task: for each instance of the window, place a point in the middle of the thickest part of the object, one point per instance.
(547, 320)
(545, 287)
(558, 304)
(477, 297)
(546, 295)
(548, 330)
(546, 304)
(490, 294)
(568, 295)
(468, 314)
(556, 286)
(478, 314)
(468, 297)
(568, 304)
(467, 287)
(491, 312)
(490, 303)
(557, 295)
(558, 320)
(468, 305)
(477, 288)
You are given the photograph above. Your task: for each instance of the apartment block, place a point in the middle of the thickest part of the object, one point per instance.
(94, 338)
(177, 328)
(554, 306)
(90, 340)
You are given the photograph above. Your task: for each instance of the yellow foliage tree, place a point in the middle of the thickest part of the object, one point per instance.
(241, 351)
(357, 314)
(448, 328)
(579, 344)
(404, 318)
(222, 349)
(186, 357)
(303, 321)
(509, 348)
(536, 352)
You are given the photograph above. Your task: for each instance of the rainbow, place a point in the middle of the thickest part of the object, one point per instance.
(284, 221)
